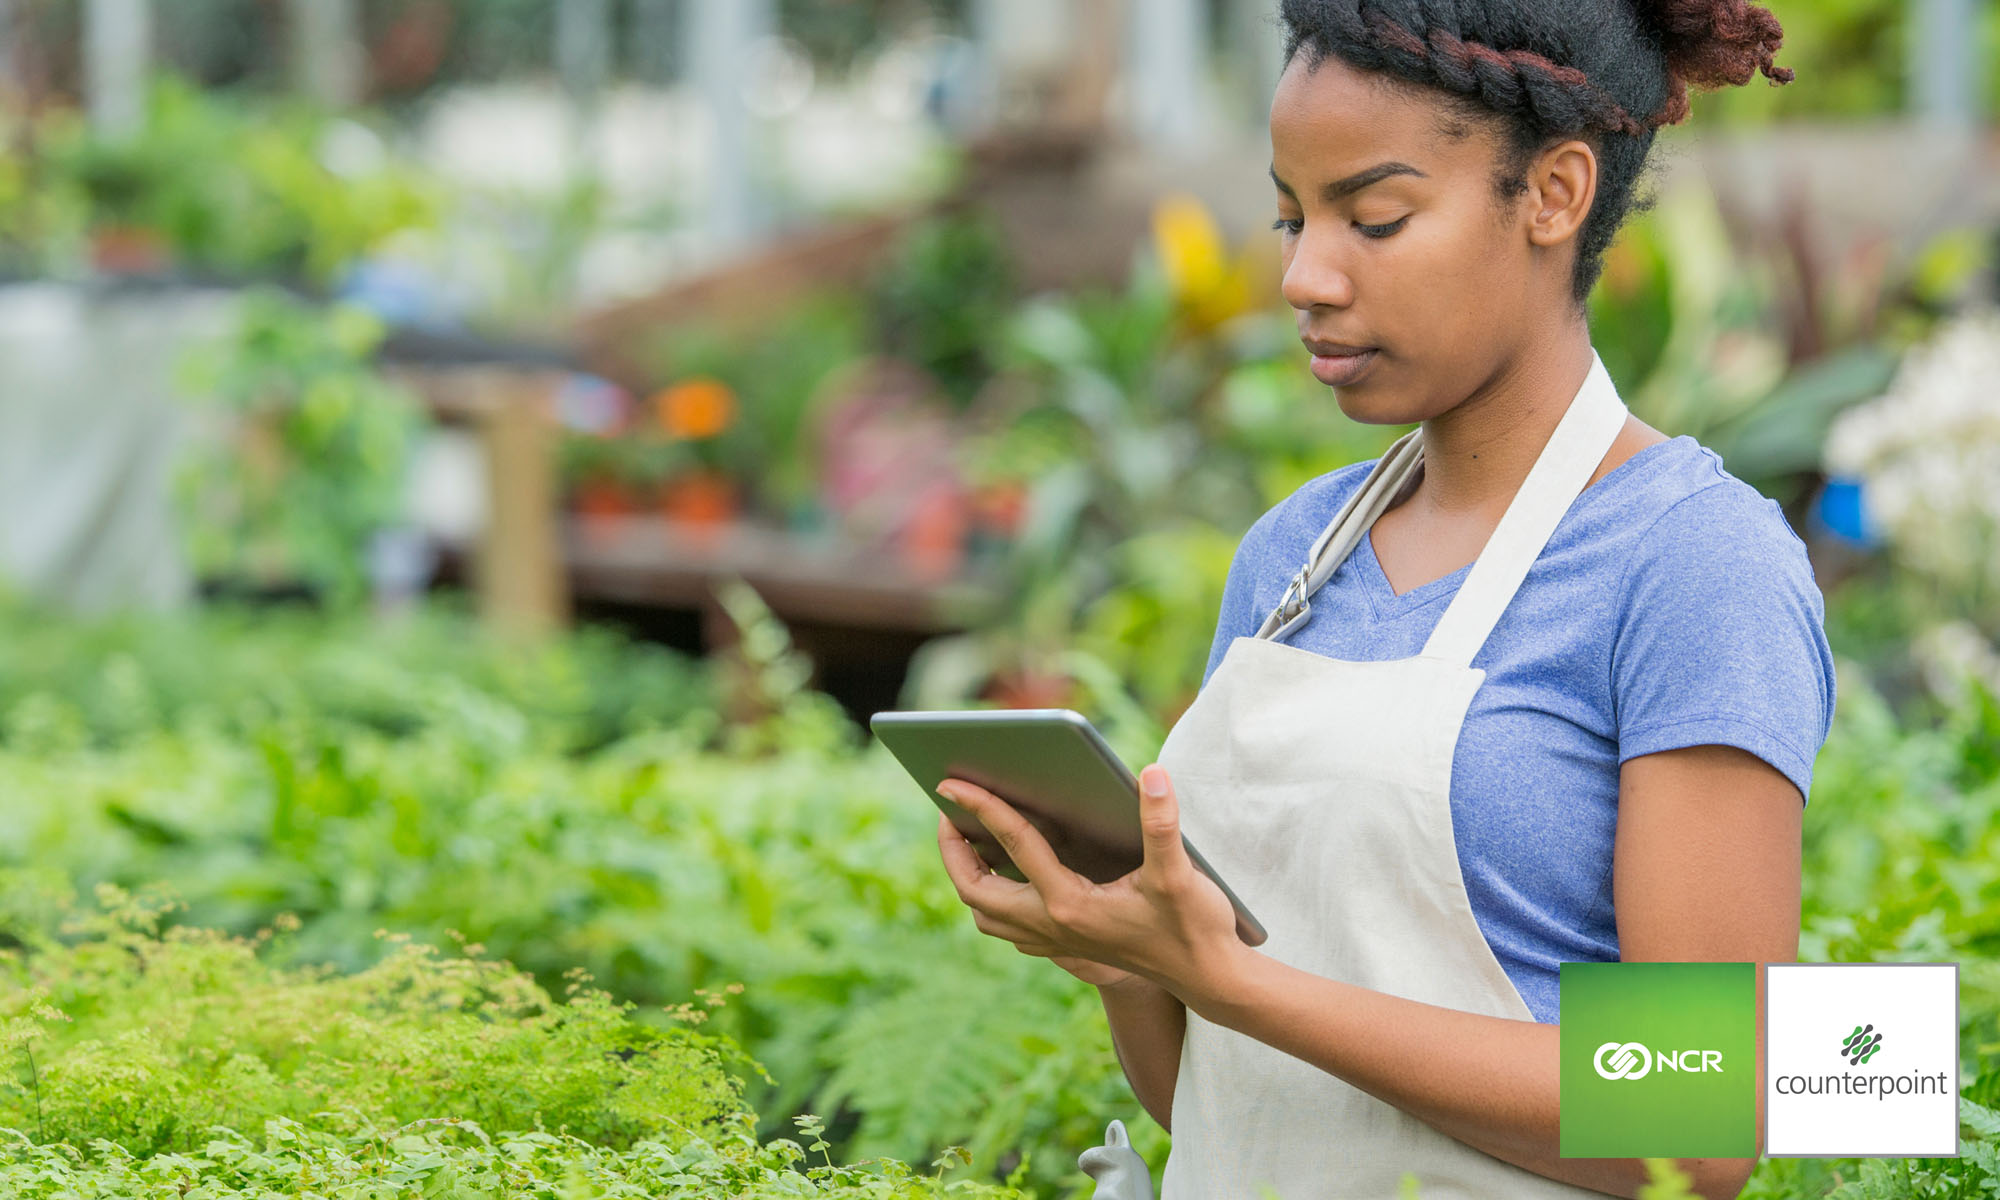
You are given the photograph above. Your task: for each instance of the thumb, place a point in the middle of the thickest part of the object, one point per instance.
(1159, 817)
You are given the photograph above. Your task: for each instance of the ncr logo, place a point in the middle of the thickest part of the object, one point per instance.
(1658, 1060)
(1630, 1060)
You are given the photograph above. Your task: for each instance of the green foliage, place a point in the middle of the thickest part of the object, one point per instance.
(1753, 349)
(946, 287)
(456, 1159)
(229, 187)
(774, 369)
(138, 1059)
(315, 455)
(1902, 863)
(1136, 433)
(433, 676)
(427, 780)
(665, 858)
(1903, 836)
(163, 1035)
(1853, 60)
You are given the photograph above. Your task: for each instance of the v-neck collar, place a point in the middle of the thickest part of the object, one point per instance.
(1382, 595)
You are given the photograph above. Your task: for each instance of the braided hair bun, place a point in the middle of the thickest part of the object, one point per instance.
(1712, 43)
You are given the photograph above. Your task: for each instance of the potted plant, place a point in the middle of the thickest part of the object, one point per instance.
(697, 488)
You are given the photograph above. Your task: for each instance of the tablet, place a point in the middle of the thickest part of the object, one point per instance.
(1051, 765)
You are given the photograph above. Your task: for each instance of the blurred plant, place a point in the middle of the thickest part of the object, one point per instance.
(1121, 417)
(770, 375)
(1928, 453)
(1104, 397)
(313, 458)
(266, 190)
(433, 674)
(1209, 285)
(938, 302)
(525, 250)
(1153, 630)
(1755, 363)
(764, 684)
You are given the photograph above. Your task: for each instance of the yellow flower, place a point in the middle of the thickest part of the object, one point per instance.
(1209, 286)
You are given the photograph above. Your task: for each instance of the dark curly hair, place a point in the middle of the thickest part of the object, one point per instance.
(1609, 71)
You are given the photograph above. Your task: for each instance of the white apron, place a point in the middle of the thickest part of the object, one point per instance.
(1321, 790)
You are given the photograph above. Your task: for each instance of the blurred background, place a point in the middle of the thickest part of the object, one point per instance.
(474, 464)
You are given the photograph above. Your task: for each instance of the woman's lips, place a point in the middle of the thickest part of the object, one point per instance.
(1341, 370)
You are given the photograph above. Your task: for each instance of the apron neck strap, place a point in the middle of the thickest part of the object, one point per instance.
(1394, 474)
(1581, 440)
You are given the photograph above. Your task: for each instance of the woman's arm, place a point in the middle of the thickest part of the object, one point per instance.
(1148, 1023)
(1706, 868)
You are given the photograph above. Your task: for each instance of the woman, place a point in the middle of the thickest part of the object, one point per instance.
(1548, 689)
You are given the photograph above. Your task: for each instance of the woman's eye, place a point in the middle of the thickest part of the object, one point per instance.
(1381, 231)
(1291, 225)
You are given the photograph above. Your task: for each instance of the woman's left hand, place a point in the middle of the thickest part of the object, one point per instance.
(1166, 920)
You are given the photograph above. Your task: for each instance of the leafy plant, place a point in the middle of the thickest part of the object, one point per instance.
(228, 186)
(149, 1038)
(1129, 421)
(504, 799)
(935, 304)
(434, 674)
(168, 1046)
(313, 457)
(774, 370)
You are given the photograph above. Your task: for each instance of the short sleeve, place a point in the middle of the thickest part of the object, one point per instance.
(1722, 636)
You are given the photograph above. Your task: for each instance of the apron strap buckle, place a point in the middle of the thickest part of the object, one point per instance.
(1295, 607)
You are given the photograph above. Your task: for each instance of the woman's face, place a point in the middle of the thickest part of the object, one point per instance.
(1400, 255)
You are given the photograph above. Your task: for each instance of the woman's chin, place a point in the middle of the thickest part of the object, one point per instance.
(1369, 407)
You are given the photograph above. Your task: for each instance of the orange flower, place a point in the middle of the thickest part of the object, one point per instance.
(695, 408)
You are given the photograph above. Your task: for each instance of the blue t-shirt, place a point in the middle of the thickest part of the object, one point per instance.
(1672, 607)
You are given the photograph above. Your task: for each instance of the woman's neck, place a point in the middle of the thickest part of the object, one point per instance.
(1476, 455)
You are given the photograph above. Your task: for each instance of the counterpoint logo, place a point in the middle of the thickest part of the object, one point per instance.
(1861, 1045)
(1628, 1061)
(1888, 1101)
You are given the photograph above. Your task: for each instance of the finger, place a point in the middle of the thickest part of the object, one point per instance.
(1160, 821)
(961, 861)
(1002, 928)
(1021, 840)
(969, 872)
(976, 884)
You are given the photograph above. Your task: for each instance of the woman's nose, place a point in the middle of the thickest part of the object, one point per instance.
(1314, 277)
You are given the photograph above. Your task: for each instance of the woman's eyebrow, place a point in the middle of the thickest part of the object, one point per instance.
(1353, 183)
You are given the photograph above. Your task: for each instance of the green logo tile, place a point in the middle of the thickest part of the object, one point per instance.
(1659, 1060)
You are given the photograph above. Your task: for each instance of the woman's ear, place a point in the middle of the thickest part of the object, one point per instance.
(1562, 181)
